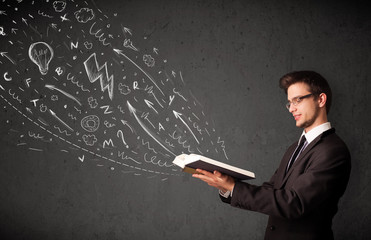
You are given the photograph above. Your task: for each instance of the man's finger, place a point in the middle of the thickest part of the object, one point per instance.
(206, 173)
(218, 174)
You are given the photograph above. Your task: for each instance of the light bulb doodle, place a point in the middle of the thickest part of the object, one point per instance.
(41, 54)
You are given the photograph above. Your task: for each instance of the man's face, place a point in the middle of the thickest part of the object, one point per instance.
(306, 113)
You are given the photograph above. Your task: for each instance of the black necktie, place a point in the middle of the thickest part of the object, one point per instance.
(298, 150)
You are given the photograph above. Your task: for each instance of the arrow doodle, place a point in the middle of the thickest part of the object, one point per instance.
(148, 131)
(150, 105)
(120, 52)
(127, 124)
(60, 120)
(178, 115)
(4, 54)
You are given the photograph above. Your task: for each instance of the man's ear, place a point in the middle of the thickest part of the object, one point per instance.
(322, 99)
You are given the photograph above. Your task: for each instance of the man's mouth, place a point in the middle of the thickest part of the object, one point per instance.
(297, 116)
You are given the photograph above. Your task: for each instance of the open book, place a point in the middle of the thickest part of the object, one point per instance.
(189, 163)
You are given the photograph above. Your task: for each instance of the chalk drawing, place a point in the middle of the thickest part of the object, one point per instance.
(95, 90)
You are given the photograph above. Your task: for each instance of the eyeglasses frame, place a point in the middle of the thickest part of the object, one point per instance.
(297, 100)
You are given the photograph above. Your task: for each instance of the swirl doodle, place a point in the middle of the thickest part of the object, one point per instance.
(90, 123)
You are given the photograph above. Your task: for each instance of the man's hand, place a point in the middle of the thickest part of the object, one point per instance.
(218, 180)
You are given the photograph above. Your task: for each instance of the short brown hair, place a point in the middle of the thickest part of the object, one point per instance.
(317, 84)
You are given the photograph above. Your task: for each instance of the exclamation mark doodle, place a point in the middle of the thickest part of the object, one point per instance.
(82, 158)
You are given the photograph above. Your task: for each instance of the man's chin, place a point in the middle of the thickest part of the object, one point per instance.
(301, 125)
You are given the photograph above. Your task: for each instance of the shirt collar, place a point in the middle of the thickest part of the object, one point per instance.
(315, 132)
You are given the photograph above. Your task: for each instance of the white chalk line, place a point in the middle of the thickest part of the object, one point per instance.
(84, 149)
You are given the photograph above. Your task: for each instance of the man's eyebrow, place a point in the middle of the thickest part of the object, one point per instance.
(294, 97)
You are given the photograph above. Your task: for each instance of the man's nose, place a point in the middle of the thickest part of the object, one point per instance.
(292, 108)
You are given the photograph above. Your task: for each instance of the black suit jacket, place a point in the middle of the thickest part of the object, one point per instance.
(302, 202)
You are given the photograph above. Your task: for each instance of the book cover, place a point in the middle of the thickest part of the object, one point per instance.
(189, 163)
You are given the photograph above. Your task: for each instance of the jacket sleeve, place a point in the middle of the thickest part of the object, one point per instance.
(269, 184)
(324, 179)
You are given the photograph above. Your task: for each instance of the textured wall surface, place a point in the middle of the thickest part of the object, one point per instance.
(216, 63)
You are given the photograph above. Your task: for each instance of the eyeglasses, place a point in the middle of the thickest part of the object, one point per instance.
(297, 100)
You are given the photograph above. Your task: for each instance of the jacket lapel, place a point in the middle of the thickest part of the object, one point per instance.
(282, 168)
(301, 156)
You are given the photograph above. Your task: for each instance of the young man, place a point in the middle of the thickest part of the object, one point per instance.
(302, 196)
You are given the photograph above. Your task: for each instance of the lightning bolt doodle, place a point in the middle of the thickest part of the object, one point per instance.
(95, 72)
